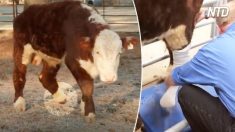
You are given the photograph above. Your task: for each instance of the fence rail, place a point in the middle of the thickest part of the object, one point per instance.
(120, 18)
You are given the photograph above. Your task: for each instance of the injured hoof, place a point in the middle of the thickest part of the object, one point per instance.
(59, 97)
(168, 100)
(20, 104)
(90, 118)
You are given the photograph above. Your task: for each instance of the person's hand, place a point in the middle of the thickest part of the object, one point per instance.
(168, 100)
(224, 26)
(169, 80)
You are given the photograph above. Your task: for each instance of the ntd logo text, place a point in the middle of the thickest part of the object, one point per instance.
(217, 12)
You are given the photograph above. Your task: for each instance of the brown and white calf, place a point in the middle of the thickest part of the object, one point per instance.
(69, 31)
(170, 20)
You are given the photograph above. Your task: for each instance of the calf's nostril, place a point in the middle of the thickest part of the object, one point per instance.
(109, 78)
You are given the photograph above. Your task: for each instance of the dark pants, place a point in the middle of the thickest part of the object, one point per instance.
(204, 112)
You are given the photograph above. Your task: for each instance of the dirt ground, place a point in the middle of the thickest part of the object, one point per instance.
(116, 104)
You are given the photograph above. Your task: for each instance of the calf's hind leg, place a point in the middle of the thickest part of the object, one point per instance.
(48, 80)
(19, 78)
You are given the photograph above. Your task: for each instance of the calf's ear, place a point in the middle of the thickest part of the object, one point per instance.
(84, 48)
(129, 43)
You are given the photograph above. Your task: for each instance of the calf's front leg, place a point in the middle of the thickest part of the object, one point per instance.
(86, 84)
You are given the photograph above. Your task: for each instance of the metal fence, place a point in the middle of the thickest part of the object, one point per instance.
(120, 14)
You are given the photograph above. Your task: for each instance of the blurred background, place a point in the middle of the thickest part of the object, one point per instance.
(120, 14)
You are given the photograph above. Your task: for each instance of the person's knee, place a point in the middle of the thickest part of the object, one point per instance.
(185, 94)
(182, 92)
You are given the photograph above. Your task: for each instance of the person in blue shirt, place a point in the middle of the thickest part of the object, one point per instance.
(213, 65)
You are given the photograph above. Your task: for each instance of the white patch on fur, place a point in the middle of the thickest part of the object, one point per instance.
(37, 60)
(20, 104)
(174, 36)
(106, 54)
(90, 118)
(95, 17)
(59, 96)
(89, 67)
(130, 47)
(50, 60)
(28, 52)
(82, 107)
(168, 100)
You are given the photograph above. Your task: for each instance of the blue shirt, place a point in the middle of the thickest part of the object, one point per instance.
(213, 65)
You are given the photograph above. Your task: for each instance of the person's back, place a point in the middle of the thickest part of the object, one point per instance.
(213, 65)
(219, 59)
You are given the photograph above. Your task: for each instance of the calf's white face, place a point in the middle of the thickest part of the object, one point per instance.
(106, 55)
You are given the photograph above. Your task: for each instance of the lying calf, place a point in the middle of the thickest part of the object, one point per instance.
(69, 31)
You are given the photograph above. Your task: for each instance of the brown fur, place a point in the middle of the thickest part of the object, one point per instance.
(52, 29)
(57, 29)
(127, 41)
(84, 81)
(157, 16)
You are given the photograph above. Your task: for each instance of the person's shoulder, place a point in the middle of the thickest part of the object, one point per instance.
(218, 46)
(210, 49)
(231, 28)
(223, 41)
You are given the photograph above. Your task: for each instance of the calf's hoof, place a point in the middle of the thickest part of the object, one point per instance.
(20, 104)
(90, 118)
(59, 97)
(168, 100)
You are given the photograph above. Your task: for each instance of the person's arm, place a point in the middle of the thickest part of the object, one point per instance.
(197, 71)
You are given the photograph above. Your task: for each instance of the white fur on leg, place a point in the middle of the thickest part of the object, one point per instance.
(59, 96)
(37, 60)
(176, 37)
(82, 107)
(90, 118)
(168, 100)
(20, 104)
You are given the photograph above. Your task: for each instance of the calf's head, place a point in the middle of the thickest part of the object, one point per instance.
(108, 47)
(105, 54)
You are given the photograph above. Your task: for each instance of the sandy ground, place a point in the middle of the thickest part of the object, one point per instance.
(116, 104)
